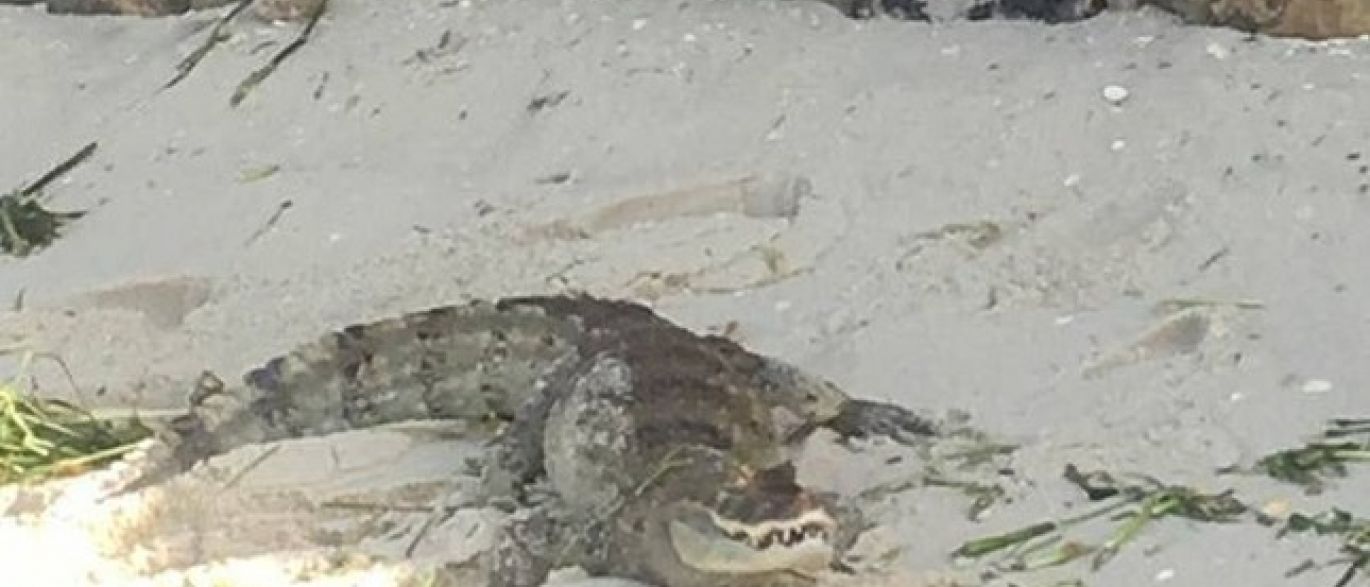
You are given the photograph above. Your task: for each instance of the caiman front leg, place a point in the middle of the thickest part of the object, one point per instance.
(822, 404)
(533, 543)
(859, 418)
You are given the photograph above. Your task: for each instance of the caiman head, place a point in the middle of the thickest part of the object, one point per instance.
(763, 523)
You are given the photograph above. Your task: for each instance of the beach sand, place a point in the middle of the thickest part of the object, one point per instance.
(953, 216)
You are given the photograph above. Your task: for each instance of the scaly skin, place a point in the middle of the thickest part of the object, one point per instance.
(664, 455)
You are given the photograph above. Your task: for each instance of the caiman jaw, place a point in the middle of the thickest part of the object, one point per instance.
(709, 542)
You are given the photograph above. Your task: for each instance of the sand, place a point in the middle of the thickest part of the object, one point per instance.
(951, 216)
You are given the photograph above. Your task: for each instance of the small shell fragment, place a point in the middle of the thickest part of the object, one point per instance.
(1116, 95)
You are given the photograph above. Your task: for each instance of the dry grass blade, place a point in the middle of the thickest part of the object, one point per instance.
(1354, 532)
(1142, 502)
(61, 169)
(216, 35)
(983, 496)
(989, 544)
(1342, 427)
(46, 438)
(1045, 545)
(25, 225)
(1160, 502)
(257, 77)
(1323, 458)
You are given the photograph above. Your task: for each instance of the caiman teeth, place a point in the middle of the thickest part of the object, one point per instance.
(767, 540)
(811, 522)
(716, 544)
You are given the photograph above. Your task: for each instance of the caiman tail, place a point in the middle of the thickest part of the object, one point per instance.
(475, 361)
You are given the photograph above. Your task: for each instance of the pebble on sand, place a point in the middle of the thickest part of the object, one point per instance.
(1116, 95)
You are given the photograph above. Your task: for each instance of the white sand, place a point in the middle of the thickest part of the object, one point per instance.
(1230, 172)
